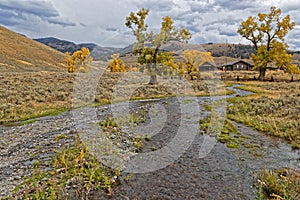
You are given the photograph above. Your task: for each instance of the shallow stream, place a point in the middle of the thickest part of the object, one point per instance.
(176, 162)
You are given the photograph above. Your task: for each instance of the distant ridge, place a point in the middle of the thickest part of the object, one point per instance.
(97, 52)
(21, 54)
(218, 50)
(64, 45)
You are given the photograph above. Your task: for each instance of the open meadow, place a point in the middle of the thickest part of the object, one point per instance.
(29, 95)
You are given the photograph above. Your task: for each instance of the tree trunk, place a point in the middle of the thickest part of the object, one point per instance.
(153, 80)
(153, 77)
(262, 73)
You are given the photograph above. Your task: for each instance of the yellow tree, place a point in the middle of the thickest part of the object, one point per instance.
(71, 64)
(116, 64)
(150, 55)
(78, 58)
(193, 59)
(267, 33)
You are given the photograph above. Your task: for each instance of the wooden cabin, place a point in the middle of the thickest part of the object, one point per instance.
(208, 66)
(239, 65)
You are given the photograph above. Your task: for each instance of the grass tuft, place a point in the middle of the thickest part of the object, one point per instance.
(281, 184)
(74, 174)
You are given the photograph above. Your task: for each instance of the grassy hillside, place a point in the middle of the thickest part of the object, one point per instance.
(21, 54)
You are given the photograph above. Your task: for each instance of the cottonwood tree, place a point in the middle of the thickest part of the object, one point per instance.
(267, 32)
(193, 59)
(78, 58)
(148, 44)
(116, 64)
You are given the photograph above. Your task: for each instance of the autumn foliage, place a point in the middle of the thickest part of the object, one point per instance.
(151, 57)
(193, 59)
(116, 64)
(267, 32)
(77, 59)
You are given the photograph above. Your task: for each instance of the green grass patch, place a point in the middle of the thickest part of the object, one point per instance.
(74, 174)
(114, 126)
(29, 121)
(27, 118)
(279, 184)
(222, 129)
(251, 88)
(278, 117)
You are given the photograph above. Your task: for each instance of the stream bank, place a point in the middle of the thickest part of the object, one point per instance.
(222, 174)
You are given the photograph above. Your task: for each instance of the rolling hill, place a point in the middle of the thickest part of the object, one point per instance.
(221, 52)
(21, 54)
(97, 52)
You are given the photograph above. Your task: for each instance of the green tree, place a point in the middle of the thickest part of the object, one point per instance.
(150, 55)
(267, 32)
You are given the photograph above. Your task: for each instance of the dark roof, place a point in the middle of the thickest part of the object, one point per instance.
(209, 64)
(237, 61)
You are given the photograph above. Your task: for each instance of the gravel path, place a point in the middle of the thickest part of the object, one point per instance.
(221, 174)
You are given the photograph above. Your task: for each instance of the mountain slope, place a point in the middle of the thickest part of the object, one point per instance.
(97, 52)
(21, 54)
(217, 50)
(60, 45)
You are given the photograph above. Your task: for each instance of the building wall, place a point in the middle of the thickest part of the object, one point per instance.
(207, 68)
(240, 66)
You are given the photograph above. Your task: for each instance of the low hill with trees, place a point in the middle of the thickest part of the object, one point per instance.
(97, 52)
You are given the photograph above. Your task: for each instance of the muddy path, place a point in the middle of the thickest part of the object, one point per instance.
(176, 162)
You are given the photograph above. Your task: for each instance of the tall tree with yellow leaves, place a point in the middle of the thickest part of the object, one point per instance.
(193, 59)
(150, 55)
(267, 32)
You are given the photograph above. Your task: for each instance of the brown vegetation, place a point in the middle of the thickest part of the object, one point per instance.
(274, 109)
(19, 53)
(32, 94)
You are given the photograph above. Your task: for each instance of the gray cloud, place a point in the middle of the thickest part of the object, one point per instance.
(15, 12)
(228, 32)
(61, 22)
(111, 29)
(158, 6)
(237, 4)
(39, 8)
(8, 18)
(103, 21)
(200, 6)
(291, 5)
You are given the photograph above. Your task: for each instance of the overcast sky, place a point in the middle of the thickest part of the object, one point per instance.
(102, 21)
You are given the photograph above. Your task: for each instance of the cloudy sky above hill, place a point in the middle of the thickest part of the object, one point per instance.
(102, 21)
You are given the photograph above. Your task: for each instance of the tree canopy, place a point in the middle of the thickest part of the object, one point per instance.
(267, 32)
(193, 59)
(151, 55)
(116, 64)
(78, 58)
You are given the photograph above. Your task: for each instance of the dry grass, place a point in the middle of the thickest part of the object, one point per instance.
(279, 184)
(277, 75)
(19, 53)
(274, 109)
(28, 95)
